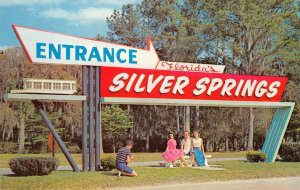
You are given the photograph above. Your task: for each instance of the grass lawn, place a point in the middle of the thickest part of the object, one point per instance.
(138, 157)
(151, 176)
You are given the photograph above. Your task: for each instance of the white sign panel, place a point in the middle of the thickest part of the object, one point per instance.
(53, 48)
(193, 67)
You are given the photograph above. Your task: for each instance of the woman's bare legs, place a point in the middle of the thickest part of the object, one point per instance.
(192, 158)
(183, 160)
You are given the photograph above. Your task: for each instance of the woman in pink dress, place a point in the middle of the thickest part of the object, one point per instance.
(172, 154)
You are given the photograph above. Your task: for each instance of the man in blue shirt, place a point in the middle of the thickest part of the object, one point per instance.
(124, 157)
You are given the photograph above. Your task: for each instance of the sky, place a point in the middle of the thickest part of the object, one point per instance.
(84, 18)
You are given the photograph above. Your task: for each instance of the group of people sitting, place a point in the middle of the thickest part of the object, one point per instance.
(190, 147)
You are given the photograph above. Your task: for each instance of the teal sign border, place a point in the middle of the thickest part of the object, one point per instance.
(276, 131)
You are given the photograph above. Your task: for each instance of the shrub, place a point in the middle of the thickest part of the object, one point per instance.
(108, 163)
(27, 166)
(8, 147)
(73, 148)
(290, 152)
(39, 148)
(256, 156)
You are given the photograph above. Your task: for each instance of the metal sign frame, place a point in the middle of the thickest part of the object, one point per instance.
(276, 131)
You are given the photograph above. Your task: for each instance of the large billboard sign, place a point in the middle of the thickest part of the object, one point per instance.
(53, 48)
(46, 47)
(146, 83)
(133, 75)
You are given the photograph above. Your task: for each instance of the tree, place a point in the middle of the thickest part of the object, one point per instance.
(23, 111)
(7, 122)
(115, 123)
(15, 67)
(249, 37)
(172, 28)
(11, 77)
(72, 117)
(292, 95)
(260, 35)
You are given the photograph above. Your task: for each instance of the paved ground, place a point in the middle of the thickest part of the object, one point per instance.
(7, 171)
(289, 183)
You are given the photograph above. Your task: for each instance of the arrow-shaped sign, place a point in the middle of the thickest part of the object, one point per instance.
(49, 47)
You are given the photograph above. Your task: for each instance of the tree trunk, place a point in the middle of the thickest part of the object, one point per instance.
(251, 126)
(21, 135)
(207, 145)
(214, 144)
(234, 62)
(226, 143)
(72, 132)
(245, 145)
(245, 129)
(132, 128)
(235, 144)
(217, 51)
(114, 146)
(148, 142)
(223, 53)
(146, 126)
(177, 120)
(187, 118)
(197, 117)
(3, 134)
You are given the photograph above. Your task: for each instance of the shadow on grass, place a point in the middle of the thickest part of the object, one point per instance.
(12, 175)
(15, 175)
(66, 170)
(156, 166)
(109, 173)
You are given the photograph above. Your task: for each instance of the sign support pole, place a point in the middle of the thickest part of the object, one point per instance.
(84, 121)
(70, 159)
(277, 129)
(98, 121)
(91, 120)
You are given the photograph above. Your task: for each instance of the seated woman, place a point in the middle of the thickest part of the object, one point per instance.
(198, 149)
(172, 154)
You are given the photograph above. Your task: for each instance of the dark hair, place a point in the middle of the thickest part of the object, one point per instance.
(129, 142)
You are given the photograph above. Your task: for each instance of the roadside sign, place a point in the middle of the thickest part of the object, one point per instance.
(146, 83)
(52, 48)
